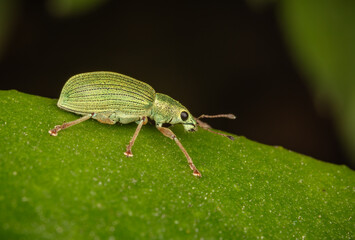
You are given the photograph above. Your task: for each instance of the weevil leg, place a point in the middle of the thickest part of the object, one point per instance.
(104, 117)
(56, 129)
(203, 124)
(208, 127)
(168, 133)
(128, 151)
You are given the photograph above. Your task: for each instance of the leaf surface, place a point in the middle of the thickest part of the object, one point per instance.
(79, 185)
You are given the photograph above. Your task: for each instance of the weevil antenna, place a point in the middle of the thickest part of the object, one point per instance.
(229, 116)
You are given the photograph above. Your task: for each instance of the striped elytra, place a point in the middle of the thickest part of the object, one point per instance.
(106, 91)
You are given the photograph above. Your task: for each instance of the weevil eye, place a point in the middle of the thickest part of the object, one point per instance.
(184, 116)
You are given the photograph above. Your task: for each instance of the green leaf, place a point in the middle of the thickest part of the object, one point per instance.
(79, 185)
(321, 35)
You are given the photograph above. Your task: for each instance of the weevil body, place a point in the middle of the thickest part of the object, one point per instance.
(113, 98)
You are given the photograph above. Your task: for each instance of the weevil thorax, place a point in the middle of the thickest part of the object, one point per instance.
(169, 111)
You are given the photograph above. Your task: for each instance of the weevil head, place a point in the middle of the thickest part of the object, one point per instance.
(168, 111)
(187, 120)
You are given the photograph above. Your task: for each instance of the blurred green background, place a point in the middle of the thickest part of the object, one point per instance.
(285, 68)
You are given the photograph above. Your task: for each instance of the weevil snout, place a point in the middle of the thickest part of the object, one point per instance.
(190, 127)
(193, 129)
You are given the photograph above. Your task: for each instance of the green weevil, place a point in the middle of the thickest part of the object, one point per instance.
(113, 98)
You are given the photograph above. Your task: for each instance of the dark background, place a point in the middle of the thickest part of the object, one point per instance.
(213, 58)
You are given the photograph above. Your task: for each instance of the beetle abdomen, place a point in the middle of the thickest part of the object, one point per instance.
(106, 92)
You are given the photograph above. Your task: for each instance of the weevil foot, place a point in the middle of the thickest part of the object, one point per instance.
(55, 130)
(128, 153)
(196, 173)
